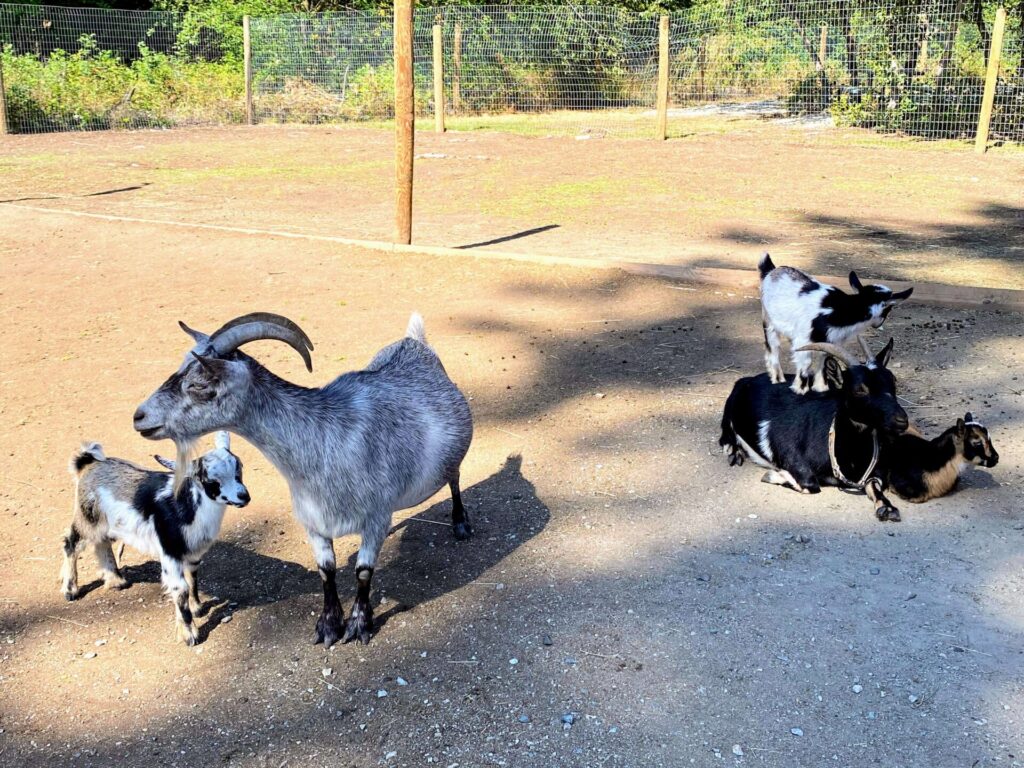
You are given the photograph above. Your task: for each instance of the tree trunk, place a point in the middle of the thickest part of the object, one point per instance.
(846, 20)
(986, 35)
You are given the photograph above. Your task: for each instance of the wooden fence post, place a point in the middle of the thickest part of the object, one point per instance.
(823, 47)
(250, 113)
(985, 118)
(405, 121)
(438, 80)
(3, 101)
(457, 69)
(662, 131)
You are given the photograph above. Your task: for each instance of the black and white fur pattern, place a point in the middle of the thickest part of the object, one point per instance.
(355, 451)
(116, 500)
(796, 307)
(788, 433)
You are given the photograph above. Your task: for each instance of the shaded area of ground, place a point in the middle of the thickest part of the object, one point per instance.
(621, 573)
(716, 197)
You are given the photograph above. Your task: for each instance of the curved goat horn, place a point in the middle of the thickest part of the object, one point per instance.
(868, 354)
(842, 355)
(261, 325)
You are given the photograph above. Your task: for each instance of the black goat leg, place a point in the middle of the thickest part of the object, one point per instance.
(884, 510)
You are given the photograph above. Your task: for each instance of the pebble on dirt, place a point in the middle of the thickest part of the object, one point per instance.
(796, 731)
(737, 750)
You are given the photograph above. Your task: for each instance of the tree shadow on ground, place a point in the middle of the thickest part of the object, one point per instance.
(836, 240)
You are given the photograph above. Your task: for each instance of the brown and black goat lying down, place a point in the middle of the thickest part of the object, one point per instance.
(920, 470)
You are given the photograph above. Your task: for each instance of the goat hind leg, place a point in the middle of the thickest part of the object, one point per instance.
(195, 602)
(804, 378)
(772, 348)
(69, 570)
(112, 578)
(460, 520)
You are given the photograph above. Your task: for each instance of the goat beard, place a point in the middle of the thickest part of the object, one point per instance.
(186, 449)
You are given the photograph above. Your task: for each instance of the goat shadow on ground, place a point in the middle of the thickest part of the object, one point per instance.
(428, 562)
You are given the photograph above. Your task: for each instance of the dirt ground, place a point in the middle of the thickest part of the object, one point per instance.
(622, 576)
(718, 195)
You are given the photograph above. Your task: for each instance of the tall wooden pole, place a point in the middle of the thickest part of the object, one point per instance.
(823, 47)
(985, 118)
(438, 80)
(457, 67)
(250, 114)
(3, 102)
(405, 124)
(662, 130)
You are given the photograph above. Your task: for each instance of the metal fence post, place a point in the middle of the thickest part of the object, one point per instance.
(405, 121)
(985, 118)
(3, 99)
(662, 131)
(250, 114)
(438, 80)
(457, 67)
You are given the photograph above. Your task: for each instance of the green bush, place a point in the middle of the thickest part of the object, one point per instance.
(92, 89)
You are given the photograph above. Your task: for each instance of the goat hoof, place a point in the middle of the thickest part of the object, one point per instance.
(359, 625)
(70, 594)
(462, 531)
(888, 513)
(328, 628)
(118, 583)
(187, 634)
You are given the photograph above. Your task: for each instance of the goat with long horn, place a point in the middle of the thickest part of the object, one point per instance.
(364, 446)
(809, 440)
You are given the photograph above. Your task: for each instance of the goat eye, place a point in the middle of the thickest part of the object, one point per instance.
(861, 391)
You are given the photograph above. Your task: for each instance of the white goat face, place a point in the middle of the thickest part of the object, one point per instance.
(202, 396)
(219, 472)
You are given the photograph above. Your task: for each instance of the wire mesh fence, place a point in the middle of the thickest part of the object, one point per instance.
(914, 67)
(91, 68)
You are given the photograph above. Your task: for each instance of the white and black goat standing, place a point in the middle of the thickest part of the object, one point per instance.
(796, 307)
(116, 500)
(354, 451)
(827, 438)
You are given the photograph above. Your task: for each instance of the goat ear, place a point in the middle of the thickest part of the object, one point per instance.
(197, 336)
(961, 428)
(968, 416)
(163, 462)
(882, 358)
(833, 373)
(855, 282)
(213, 366)
(222, 440)
(902, 295)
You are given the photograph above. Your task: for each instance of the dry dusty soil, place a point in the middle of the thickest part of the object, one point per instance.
(622, 577)
(715, 197)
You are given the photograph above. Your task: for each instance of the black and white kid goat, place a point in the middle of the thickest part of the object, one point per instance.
(827, 438)
(354, 451)
(116, 500)
(797, 307)
(919, 470)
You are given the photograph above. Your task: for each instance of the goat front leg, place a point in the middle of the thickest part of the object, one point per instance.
(195, 602)
(804, 362)
(172, 574)
(360, 621)
(884, 510)
(329, 627)
(460, 520)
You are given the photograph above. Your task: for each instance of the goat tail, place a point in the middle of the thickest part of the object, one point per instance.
(88, 454)
(765, 265)
(415, 329)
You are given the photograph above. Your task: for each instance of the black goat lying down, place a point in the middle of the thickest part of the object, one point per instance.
(919, 470)
(819, 438)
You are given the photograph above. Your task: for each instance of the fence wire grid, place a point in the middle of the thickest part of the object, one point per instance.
(915, 68)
